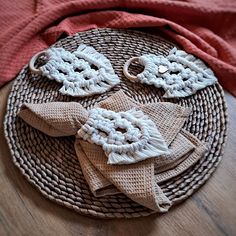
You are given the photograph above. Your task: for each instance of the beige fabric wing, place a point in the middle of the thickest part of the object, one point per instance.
(55, 118)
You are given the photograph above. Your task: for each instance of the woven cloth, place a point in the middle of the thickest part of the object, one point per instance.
(29, 26)
(63, 120)
(51, 164)
(136, 181)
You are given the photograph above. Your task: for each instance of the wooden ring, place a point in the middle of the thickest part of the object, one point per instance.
(33, 60)
(133, 78)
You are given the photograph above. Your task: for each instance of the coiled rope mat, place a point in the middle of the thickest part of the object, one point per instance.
(50, 164)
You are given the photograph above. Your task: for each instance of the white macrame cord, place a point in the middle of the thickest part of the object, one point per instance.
(83, 73)
(180, 74)
(126, 137)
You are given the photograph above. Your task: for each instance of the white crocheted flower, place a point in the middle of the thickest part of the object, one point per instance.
(83, 73)
(126, 137)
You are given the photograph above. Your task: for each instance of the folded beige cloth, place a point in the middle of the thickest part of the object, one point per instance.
(138, 181)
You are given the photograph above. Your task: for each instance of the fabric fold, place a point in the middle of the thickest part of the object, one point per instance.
(182, 158)
(179, 149)
(98, 184)
(137, 181)
(56, 118)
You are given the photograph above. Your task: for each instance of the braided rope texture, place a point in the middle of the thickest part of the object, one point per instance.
(184, 75)
(83, 73)
(126, 137)
(51, 165)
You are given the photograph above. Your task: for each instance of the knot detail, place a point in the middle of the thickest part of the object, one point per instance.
(180, 74)
(126, 137)
(83, 73)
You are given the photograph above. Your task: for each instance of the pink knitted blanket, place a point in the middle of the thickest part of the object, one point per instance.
(205, 28)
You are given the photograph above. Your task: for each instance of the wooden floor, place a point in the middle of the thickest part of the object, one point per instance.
(210, 211)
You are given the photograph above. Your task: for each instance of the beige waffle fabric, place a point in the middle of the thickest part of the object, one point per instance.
(138, 181)
(56, 118)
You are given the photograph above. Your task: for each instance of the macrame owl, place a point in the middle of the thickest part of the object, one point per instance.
(180, 74)
(84, 72)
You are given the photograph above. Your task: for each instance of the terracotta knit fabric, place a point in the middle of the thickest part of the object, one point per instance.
(204, 28)
(137, 181)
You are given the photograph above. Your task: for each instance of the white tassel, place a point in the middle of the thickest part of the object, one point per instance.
(62, 66)
(126, 137)
(180, 74)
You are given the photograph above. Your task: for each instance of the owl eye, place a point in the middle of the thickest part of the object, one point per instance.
(102, 133)
(123, 131)
(67, 60)
(62, 71)
(94, 67)
(78, 70)
(129, 141)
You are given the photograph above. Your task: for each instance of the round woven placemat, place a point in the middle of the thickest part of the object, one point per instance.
(51, 165)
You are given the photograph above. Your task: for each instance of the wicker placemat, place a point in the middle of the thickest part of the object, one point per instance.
(50, 164)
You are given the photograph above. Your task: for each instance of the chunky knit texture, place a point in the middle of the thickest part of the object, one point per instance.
(203, 28)
(180, 74)
(84, 72)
